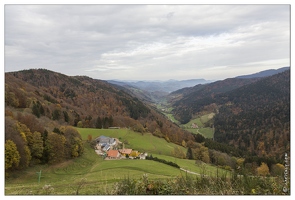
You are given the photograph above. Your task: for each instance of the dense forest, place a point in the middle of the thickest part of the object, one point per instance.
(189, 101)
(254, 117)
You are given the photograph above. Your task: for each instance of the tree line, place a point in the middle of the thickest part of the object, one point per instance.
(25, 147)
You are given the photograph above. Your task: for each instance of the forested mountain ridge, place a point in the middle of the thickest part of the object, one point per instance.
(256, 117)
(265, 73)
(81, 99)
(189, 101)
(79, 96)
(41, 105)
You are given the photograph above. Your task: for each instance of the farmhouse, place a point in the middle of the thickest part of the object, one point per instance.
(125, 152)
(194, 125)
(113, 154)
(103, 141)
(106, 147)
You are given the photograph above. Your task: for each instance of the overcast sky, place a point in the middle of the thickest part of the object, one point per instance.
(147, 42)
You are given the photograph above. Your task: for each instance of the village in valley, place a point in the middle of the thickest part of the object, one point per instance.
(113, 149)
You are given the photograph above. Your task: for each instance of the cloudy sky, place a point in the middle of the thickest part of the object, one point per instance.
(147, 42)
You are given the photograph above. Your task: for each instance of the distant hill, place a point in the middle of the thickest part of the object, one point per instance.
(265, 73)
(143, 95)
(161, 86)
(154, 92)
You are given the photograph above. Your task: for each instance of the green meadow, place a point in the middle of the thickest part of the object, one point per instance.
(141, 142)
(90, 174)
(96, 174)
(200, 121)
(200, 168)
(207, 132)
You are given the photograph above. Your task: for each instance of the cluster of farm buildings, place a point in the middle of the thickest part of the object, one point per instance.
(108, 148)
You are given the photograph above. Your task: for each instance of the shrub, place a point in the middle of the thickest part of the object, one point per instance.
(203, 185)
(162, 161)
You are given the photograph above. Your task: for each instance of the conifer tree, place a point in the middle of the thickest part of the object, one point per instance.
(189, 154)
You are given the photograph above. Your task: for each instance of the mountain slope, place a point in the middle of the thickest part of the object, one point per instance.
(256, 117)
(202, 90)
(55, 98)
(189, 101)
(145, 96)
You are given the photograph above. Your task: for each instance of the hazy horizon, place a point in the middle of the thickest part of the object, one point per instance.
(154, 80)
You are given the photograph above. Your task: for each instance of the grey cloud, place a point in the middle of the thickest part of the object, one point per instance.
(134, 41)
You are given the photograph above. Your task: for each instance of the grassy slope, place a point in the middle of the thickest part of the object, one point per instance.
(64, 177)
(99, 175)
(143, 143)
(200, 121)
(207, 132)
(191, 166)
(158, 147)
(167, 112)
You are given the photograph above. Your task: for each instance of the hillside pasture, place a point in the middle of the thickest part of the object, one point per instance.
(141, 142)
(91, 169)
(200, 168)
(90, 174)
(200, 121)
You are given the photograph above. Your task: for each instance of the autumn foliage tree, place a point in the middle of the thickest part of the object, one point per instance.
(201, 153)
(177, 152)
(277, 169)
(36, 146)
(12, 157)
(263, 169)
(55, 145)
(12, 133)
(73, 144)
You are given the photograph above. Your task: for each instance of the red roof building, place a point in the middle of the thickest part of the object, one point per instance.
(113, 154)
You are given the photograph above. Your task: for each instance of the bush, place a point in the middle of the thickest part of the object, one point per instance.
(227, 168)
(204, 185)
(162, 161)
(80, 124)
